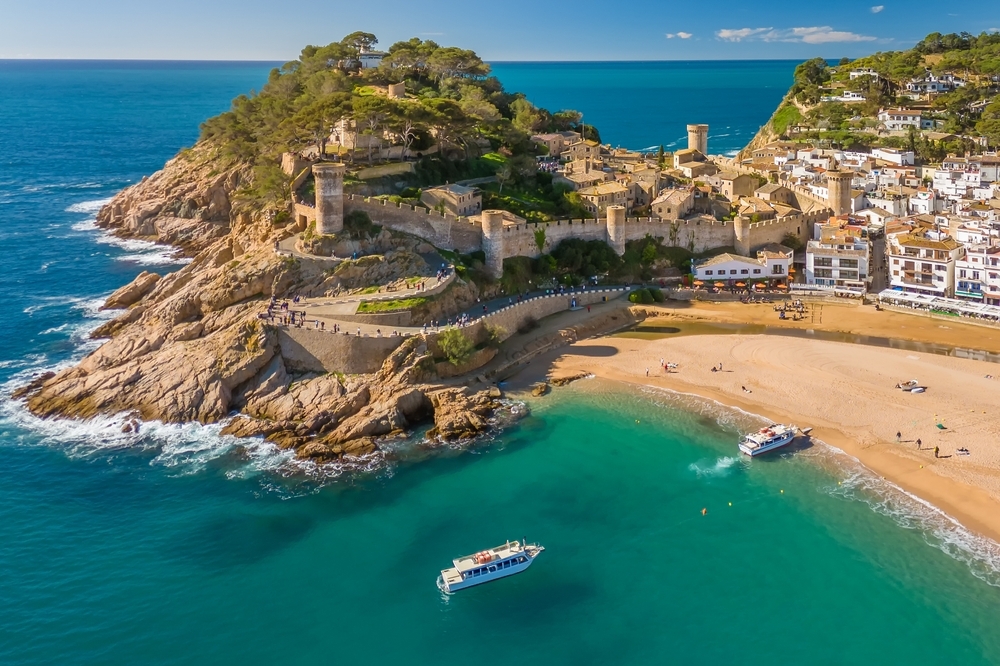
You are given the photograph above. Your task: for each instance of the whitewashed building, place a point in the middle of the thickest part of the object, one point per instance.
(840, 258)
(733, 268)
(978, 275)
(923, 262)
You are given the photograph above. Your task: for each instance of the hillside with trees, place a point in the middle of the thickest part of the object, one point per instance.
(451, 103)
(953, 80)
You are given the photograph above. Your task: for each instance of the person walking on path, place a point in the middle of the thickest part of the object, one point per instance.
(918, 443)
(899, 437)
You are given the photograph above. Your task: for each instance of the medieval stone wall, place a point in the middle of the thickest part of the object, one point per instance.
(444, 231)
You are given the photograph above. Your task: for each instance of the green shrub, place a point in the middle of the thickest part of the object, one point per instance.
(657, 295)
(457, 347)
(642, 297)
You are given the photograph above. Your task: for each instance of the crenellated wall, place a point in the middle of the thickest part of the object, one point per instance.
(444, 231)
(519, 240)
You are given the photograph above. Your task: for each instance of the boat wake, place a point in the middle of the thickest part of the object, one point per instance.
(722, 467)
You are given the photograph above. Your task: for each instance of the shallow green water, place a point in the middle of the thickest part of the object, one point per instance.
(160, 565)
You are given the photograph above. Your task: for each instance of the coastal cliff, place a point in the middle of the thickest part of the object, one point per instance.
(191, 345)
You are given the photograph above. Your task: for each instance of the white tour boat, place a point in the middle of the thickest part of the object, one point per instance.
(511, 558)
(767, 439)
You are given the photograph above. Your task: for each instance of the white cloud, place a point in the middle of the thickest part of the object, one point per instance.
(813, 35)
(826, 34)
(877, 8)
(740, 34)
(679, 35)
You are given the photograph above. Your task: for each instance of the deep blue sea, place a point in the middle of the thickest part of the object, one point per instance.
(643, 105)
(183, 547)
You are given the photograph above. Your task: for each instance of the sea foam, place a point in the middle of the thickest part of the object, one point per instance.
(856, 483)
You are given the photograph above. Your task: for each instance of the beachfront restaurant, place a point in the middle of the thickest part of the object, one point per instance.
(729, 269)
(950, 306)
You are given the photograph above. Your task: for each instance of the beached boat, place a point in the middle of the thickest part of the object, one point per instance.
(511, 558)
(767, 439)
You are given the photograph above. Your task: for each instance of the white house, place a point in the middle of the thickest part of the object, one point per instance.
(894, 155)
(733, 268)
(923, 202)
(894, 204)
(896, 120)
(370, 59)
(867, 71)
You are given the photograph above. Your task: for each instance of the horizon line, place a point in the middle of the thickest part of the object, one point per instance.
(499, 62)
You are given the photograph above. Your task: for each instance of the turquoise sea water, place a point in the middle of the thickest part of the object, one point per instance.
(642, 105)
(180, 546)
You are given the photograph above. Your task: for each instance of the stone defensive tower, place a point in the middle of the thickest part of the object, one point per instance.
(838, 196)
(741, 226)
(329, 197)
(616, 229)
(698, 138)
(493, 245)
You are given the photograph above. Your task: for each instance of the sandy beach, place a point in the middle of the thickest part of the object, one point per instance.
(845, 391)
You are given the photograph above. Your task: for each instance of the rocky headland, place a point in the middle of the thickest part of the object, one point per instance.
(191, 345)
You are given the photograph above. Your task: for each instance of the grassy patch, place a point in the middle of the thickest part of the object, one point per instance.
(393, 305)
(787, 114)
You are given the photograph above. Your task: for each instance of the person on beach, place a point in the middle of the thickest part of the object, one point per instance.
(647, 372)
(899, 437)
(936, 451)
(918, 443)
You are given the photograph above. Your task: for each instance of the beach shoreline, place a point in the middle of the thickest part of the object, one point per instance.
(844, 391)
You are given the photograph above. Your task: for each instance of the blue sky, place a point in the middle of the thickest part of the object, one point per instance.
(497, 30)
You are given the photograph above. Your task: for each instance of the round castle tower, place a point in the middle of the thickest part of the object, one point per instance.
(698, 138)
(616, 229)
(493, 245)
(741, 227)
(329, 197)
(838, 196)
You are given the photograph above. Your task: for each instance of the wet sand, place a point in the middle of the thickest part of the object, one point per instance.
(845, 391)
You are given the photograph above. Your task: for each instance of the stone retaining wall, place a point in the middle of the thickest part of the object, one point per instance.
(309, 350)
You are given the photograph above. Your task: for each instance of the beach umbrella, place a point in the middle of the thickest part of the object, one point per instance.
(698, 283)
(720, 285)
(741, 284)
(759, 285)
(782, 286)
